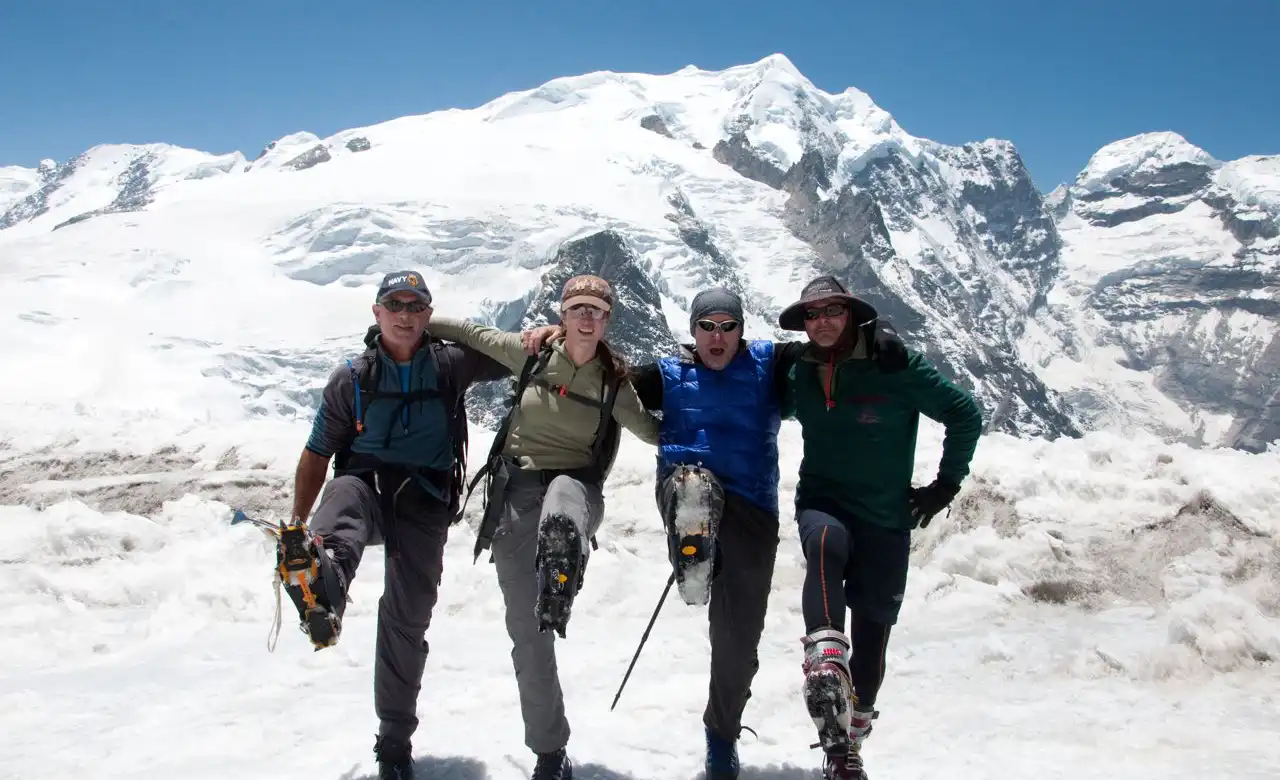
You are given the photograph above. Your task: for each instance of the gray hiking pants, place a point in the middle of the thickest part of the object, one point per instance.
(515, 548)
(349, 519)
(747, 544)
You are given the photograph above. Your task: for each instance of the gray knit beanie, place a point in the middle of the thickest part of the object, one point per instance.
(717, 300)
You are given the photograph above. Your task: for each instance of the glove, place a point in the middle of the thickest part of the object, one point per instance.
(927, 501)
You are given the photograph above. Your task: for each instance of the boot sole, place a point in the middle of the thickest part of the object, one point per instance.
(693, 569)
(828, 704)
(322, 624)
(691, 531)
(323, 627)
(559, 570)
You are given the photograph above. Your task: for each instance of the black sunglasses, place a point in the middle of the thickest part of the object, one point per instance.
(728, 326)
(831, 310)
(413, 307)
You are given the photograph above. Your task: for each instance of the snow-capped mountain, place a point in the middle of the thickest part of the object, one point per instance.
(1169, 299)
(104, 180)
(749, 177)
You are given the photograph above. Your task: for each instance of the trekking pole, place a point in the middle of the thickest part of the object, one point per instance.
(670, 581)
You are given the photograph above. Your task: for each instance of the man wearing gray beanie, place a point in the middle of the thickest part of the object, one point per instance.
(718, 449)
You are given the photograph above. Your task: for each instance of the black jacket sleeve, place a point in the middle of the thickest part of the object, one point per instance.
(785, 354)
(647, 380)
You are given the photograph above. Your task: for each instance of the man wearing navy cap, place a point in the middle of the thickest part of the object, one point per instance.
(394, 422)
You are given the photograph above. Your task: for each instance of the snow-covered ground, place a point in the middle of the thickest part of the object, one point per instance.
(134, 635)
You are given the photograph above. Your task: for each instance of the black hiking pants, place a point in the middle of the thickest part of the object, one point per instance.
(856, 565)
(349, 519)
(747, 543)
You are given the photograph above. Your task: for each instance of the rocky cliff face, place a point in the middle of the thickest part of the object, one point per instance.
(638, 328)
(1173, 264)
(952, 244)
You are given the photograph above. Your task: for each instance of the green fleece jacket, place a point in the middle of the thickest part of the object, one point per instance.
(859, 425)
(550, 431)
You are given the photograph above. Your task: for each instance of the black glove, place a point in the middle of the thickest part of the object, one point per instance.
(927, 501)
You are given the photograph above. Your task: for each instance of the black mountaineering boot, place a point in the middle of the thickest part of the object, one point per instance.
(553, 766)
(395, 758)
(559, 563)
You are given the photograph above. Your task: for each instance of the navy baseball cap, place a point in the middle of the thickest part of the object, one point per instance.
(404, 281)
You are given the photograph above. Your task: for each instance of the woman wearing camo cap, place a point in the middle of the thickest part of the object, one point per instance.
(545, 499)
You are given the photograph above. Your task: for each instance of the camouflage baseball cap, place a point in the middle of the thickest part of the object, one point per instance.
(587, 289)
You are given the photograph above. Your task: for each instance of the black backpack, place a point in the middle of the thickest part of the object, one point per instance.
(365, 381)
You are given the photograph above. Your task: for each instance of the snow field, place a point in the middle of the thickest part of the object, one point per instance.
(1064, 589)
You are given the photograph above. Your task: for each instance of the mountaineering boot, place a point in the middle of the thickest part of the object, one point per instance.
(691, 510)
(722, 757)
(309, 575)
(395, 759)
(828, 688)
(849, 765)
(553, 766)
(559, 565)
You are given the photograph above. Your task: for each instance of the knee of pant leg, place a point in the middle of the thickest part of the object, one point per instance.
(886, 613)
(348, 485)
(575, 499)
(531, 651)
(830, 543)
(877, 607)
(409, 616)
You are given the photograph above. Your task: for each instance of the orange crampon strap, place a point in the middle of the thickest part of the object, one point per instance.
(298, 566)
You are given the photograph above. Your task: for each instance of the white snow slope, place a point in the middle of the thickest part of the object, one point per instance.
(164, 367)
(135, 643)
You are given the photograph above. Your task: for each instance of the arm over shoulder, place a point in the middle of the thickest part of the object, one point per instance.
(505, 348)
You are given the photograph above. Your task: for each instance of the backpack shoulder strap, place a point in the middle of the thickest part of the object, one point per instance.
(364, 382)
(608, 434)
(565, 392)
(534, 364)
(454, 399)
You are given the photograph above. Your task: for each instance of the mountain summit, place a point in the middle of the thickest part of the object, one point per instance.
(749, 177)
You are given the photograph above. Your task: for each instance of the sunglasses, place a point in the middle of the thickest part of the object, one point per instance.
(711, 326)
(585, 311)
(396, 305)
(830, 311)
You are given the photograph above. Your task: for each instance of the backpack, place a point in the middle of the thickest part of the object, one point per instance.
(365, 382)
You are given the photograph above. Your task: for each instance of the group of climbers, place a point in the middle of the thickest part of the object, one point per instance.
(394, 424)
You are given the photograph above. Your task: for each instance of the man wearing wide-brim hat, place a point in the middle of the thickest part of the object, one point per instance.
(859, 408)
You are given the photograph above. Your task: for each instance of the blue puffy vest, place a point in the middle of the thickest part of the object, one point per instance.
(726, 420)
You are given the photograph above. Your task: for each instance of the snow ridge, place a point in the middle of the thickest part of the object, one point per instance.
(1140, 154)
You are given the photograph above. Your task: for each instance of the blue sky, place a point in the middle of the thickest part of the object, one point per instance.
(1059, 79)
